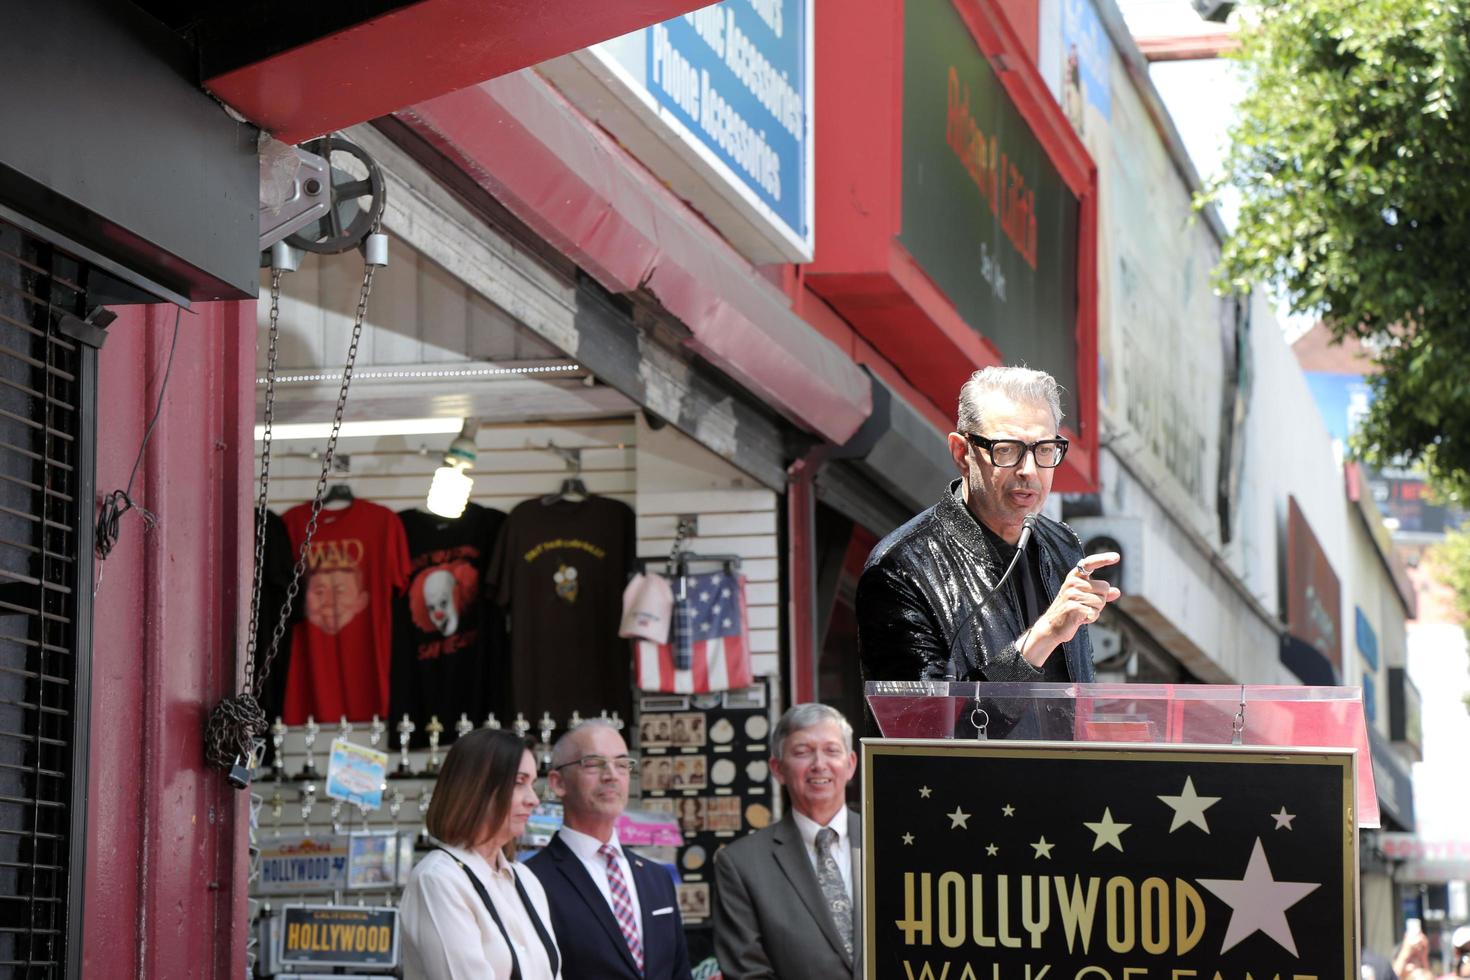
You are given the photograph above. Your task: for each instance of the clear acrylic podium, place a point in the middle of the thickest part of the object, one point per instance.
(1186, 714)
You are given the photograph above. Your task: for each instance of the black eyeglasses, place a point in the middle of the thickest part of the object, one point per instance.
(599, 764)
(1006, 453)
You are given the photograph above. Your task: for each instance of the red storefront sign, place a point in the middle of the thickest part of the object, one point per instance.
(956, 209)
(1313, 592)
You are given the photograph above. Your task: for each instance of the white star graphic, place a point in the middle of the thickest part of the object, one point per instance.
(1259, 902)
(1043, 849)
(1189, 807)
(908, 838)
(704, 627)
(958, 818)
(924, 791)
(715, 608)
(991, 850)
(724, 593)
(1107, 831)
(726, 622)
(704, 597)
(1008, 810)
(1283, 819)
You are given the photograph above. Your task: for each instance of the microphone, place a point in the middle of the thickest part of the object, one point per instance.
(1027, 526)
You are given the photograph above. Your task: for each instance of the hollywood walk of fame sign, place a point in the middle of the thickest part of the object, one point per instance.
(1072, 861)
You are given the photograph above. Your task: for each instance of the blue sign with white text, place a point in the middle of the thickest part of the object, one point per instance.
(735, 75)
(1367, 638)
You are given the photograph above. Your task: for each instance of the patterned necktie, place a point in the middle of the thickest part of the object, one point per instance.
(622, 904)
(830, 878)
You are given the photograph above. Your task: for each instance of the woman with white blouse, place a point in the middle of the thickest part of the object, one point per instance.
(469, 912)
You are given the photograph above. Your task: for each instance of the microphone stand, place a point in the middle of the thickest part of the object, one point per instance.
(1027, 526)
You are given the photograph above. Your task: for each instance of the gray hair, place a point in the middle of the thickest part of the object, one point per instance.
(1020, 384)
(800, 717)
(561, 752)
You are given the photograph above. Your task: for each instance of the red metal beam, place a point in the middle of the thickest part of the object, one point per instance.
(418, 52)
(166, 859)
(802, 652)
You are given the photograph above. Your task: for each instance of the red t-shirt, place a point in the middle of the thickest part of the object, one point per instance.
(341, 651)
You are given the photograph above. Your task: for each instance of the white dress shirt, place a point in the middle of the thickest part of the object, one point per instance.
(585, 847)
(449, 935)
(841, 850)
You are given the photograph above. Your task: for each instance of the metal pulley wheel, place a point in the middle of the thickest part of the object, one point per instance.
(357, 198)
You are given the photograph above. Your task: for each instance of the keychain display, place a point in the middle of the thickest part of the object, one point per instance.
(700, 766)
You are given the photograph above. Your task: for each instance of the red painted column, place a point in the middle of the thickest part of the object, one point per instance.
(801, 575)
(166, 863)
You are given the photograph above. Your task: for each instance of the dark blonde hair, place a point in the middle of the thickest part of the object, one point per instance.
(473, 794)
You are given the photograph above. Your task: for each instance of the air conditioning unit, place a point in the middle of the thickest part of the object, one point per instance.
(1214, 10)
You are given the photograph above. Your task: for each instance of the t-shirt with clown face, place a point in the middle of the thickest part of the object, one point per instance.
(449, 641)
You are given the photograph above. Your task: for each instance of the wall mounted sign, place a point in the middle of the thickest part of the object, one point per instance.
(718, 103)
(1313, 592)
(958, 207)
(985, 213)
(1063, 861)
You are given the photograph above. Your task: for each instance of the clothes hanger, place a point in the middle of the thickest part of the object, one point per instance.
(338, 493)
(572, 488)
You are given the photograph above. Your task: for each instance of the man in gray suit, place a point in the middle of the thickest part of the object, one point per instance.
(787, 897)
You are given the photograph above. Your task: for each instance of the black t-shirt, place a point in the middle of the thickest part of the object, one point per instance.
(448, 638)
(1027, 593)
(278, 562)
(560, 569)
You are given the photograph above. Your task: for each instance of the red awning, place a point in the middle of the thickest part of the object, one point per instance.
(417, 51)
(571, 183)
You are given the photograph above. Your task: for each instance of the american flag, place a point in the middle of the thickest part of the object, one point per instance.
(718, 639)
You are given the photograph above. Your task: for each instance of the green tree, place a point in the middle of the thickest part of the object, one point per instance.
(1350, 155)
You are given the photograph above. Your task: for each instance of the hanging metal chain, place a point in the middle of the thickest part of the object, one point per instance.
(236, 725)
(263, 498)
(321, 484)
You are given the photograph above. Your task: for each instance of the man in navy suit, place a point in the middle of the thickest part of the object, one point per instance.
(615, 914)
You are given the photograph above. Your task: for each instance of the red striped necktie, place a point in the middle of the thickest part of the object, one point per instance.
(622, 904)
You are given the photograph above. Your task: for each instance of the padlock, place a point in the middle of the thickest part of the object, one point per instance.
(242, 771)
(240, 774)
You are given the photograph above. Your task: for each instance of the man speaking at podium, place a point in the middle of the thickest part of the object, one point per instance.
(981, 586)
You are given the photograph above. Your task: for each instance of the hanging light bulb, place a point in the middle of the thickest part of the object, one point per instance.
(450, 490)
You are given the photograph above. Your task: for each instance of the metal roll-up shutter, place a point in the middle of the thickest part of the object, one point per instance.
(47, 386)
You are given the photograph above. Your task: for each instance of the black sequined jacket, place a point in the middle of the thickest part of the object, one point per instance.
(920, 584)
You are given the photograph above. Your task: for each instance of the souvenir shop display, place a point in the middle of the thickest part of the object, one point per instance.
(415, 629)
(699, 765)
(449, 655)
(559, 569)
(690, 631)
